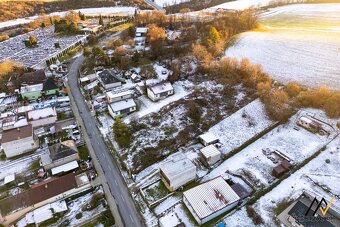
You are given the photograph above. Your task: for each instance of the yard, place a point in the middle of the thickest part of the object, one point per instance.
(258, 159)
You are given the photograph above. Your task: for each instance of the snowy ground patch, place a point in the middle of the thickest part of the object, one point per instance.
(241, 126)
(317, 177)
(256, 165)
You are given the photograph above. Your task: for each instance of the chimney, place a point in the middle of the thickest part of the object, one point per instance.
(46, 186)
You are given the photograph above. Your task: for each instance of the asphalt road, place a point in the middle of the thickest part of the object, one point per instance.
(112, 174)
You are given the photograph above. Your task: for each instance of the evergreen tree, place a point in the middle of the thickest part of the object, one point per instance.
(101, 21)
(122, 132)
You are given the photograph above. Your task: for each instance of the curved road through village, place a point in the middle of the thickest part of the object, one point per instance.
(111, 171)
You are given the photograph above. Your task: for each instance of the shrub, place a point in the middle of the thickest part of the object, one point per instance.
(79, 215)
(122, 133)
(254, 215)
(332, 105)
(293, 89)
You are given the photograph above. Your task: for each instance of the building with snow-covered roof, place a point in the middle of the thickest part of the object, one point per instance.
(42, 117)
(178, 171)
(18, 141)
(309, 124)
(210, 155)
(208, 139)
(9, 179)
(160, 91)
(210, 199)
(122, 107)
(65, 168)
(42, 193)
(59, 154)
(113, 97)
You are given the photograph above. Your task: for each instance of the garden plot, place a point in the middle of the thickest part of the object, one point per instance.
(155, 192)
(177, 215)
(256, 164)
(296, 43)
(157, 135)
(317, 177)
(241, 126)
(147, 106)
(79, 205)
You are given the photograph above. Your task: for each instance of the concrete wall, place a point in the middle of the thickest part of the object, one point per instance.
(18, 147)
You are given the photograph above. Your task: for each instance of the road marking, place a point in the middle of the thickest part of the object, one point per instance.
(110, 168)
(131, 218)
(122, 198)
(116, 182)
(103, 155)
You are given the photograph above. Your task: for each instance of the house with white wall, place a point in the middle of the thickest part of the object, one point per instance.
(160, 91)
(122, 107)
(118, 96)
(177, 172)
(18, 141)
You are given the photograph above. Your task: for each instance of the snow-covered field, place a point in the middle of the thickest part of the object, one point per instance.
(241, 126)
(296, 144)
(316, 177)
(296, 42)
(88, 11)
(169, 2)
(241, 4)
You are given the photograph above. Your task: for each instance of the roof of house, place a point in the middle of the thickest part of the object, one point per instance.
(112, 95)
(88, 78)
(285, 164)
(210, 151)
(31, 88)
(161, 87)
(49, 85)
(41, 113)
(65, 168)
(62, 150)
(122, 105)
(208, 137)
(108, 77)
(210, 197)
(141, 30)
(10, 178)
(177, 165)
(279, 169)
(300, 209)
(32, 78)
(38, 193)
(17, 133)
